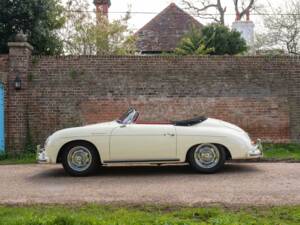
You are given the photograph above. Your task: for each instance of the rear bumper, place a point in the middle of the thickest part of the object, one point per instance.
(256, 151)
(41, 155)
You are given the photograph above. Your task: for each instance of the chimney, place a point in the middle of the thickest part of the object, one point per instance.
(102, 7)
(246, 28)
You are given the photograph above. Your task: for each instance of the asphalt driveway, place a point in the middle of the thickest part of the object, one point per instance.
(237, 184)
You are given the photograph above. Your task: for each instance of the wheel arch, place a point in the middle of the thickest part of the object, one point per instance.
(59, 155)
(227, 151)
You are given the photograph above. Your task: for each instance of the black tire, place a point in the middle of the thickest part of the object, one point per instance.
(216, 166)
(94, 159)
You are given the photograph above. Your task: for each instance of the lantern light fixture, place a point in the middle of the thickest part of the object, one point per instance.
(18, 83)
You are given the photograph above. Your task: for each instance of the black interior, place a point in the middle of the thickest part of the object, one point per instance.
(190, 122)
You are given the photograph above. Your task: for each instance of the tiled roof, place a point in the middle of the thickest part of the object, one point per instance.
(163, 33)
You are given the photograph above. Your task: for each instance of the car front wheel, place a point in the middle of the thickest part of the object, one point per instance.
(80, 159)
(207, 158)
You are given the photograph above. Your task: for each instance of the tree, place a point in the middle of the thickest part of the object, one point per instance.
(39, 19)
(192, 44)
(223, 40)
(84, 34)
(203, 6)
(282, 28)
(214, 39)
(215, 9)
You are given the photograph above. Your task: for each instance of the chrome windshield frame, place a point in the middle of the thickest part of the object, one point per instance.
(128, 117)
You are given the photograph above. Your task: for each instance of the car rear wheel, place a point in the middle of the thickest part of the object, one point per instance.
(80, 159)
(207, 158)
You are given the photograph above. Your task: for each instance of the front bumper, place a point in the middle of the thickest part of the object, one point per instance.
(256, 151)
(41, 155)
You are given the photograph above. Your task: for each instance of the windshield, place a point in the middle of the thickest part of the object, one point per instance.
(129, 117)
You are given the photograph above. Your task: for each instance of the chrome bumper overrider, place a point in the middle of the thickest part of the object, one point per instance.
(257, 150)
(41, 155)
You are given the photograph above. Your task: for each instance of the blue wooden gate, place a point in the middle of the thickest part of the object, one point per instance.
(2, 136)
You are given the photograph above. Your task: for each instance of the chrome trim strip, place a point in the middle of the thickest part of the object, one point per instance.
(142, 161)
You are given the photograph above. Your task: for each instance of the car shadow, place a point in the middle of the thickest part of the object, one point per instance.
(169, 170)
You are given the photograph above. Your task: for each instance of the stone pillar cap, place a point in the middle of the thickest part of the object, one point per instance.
(20, 45)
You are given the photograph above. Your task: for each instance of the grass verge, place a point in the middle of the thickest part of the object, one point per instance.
(24, 158)
(282, 152)
(96, 214)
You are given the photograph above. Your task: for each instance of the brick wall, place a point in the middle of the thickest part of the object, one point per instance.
(3, 68)
(260, 94)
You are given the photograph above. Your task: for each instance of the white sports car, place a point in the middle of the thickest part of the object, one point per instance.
(202, 142)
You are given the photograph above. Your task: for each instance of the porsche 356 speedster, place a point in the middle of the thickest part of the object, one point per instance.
(202, 142)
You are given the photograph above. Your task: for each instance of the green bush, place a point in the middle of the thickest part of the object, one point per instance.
(282, 151)
(223, 40)
(213, 39)
(19, 158)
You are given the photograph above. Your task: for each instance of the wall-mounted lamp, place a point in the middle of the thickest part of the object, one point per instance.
(18, 83)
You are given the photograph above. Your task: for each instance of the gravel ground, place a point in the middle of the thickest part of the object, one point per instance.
(237, 184)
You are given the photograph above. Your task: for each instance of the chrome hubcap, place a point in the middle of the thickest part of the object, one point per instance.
(79, 158)
(207, 156)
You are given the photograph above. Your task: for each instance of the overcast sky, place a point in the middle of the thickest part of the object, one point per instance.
(139, 20)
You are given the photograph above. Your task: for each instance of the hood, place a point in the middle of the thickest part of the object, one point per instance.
(99, 128)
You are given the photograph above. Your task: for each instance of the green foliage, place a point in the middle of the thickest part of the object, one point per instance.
(82, 36)
(30, 76)
(39, 19)
(282, 151)
(193, 44)
(19, 158)
(34, 60)
(73, 73)
(30, 146)
(103, 215)
(214, 40)
(222, 40)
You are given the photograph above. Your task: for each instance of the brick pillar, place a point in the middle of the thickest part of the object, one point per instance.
(16, 113)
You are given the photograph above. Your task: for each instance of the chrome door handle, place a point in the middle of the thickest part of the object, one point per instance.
(169, 134)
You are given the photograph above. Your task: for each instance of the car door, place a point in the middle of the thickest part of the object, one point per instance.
(143, 142)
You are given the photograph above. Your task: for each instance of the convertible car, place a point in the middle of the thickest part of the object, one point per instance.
(202, 142)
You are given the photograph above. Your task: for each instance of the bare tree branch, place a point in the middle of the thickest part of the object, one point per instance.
(282, 28)
(205, 5)
(192, 6)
